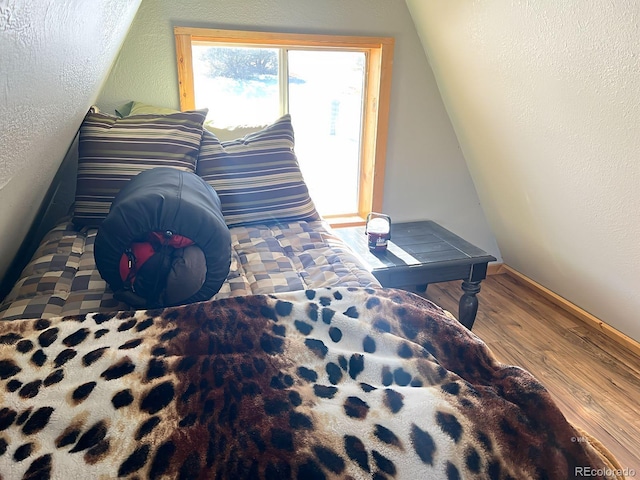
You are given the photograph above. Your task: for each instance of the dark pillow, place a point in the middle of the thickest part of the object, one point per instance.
(257, 177)
(113, 150)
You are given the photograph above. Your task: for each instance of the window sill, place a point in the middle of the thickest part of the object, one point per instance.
(345, 221)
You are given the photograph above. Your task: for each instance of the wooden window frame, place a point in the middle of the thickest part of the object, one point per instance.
(377, 93)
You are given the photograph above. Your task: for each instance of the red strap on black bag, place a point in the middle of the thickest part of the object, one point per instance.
(144, 266)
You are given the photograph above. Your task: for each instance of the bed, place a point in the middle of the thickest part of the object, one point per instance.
(301, 366)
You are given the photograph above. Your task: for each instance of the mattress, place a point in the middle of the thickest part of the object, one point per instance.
(61, 279)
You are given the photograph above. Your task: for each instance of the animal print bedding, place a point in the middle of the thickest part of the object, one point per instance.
(340, 382)
(62, 278)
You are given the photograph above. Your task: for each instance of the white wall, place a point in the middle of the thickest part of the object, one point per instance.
(54, 57)
(426, 175)
(545, 100)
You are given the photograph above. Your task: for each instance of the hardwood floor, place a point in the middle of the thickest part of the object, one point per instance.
(595, 381)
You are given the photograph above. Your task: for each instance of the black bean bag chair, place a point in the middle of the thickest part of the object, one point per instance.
(164, 241)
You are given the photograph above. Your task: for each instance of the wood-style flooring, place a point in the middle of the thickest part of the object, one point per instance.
(594, 380)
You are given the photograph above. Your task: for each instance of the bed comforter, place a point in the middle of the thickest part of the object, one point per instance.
(320, 383)
(62, 279)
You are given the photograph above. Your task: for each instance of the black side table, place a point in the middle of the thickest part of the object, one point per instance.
(420, 253)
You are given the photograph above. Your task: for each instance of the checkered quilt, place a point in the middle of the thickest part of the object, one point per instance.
(62, 279)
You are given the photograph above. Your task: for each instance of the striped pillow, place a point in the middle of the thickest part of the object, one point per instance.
(113, 150)
(257, 177)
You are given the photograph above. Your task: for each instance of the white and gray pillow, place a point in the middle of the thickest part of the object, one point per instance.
(257, 177)
(113, 150)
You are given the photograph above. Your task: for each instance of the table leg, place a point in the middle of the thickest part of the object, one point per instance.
(468, 306)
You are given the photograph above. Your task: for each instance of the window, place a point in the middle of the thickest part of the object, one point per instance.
(340, 119)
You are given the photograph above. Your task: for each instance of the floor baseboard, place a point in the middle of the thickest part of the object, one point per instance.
(573, 309)
(495, 268)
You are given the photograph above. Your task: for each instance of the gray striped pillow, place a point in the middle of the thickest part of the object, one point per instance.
(257, 177)
(113, 150)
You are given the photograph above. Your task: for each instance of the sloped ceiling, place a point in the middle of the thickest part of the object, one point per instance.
(545, 101)
(55, 57)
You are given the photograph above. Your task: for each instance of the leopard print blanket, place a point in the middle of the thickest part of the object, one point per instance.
(331, 383)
